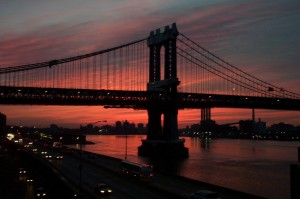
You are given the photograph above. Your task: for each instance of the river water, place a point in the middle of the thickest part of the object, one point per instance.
(257, 167)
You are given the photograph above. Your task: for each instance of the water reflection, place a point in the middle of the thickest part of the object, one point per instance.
(167, 166)
(257, 167)
(205, 143)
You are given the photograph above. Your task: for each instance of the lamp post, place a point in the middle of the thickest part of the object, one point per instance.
(80, 169)
(80, 160)
(125, 127)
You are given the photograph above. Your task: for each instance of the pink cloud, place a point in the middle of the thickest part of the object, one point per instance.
(213, 26)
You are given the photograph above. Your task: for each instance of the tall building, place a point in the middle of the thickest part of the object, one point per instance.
(2, 124)
(261, 127)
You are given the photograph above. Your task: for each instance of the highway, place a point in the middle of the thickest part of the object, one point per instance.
(99, 168)
(92, 173)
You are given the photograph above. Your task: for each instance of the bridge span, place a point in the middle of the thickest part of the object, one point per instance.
(161, 73)
(136, 99)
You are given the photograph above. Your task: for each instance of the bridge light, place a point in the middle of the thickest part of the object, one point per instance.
(78, 92)
(278, 100)
(246, 98)
(46, 91)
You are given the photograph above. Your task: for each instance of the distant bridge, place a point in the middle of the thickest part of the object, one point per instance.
(161, 73)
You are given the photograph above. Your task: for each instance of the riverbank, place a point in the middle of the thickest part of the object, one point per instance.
(252, 166)
(163, 182)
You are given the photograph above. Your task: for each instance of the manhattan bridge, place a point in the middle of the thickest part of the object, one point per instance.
(162, 73)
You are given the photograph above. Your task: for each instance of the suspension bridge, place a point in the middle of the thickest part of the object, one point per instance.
(162, 73)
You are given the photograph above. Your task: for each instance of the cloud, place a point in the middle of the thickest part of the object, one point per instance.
(260, 37)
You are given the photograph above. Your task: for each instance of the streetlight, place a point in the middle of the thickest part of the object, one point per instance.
(80, 169)
(80, 159)
(125, 124)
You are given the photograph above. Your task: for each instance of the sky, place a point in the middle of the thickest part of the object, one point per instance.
(261, 37)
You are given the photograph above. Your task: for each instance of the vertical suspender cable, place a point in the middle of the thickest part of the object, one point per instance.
(46, 76)
(57, 75)
(107, 72)
(144, 66)
(73, 75)
(137, 81)
(130, 67)
(100, 71)
(52, 76)
(87, 71)
(80, 72)
(139, 66)
(133, 61)
(140, 55)
(127, 68)
(136, 67)
(114, 69)
(94, 72)
(121, 67)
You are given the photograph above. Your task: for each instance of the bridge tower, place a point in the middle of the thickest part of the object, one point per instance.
(163, 140)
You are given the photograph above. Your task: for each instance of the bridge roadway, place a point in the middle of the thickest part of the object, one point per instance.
(103, 168)
(138, 99)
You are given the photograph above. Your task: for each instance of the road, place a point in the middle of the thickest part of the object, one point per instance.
(106, 169)
(93, 172)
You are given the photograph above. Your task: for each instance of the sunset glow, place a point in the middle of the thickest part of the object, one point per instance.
(260, 38)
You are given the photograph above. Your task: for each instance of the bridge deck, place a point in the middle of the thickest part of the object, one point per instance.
(137, 99)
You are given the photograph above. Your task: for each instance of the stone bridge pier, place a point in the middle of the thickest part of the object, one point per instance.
(162, 137)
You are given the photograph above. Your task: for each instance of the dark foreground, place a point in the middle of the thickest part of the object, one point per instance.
(15, 186)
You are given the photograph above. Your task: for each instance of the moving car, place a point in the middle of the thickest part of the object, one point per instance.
(22, 171)
(102, 188)
(59, 156)
(40, 192)
(48, 156)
